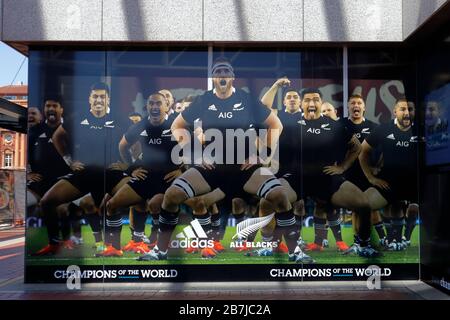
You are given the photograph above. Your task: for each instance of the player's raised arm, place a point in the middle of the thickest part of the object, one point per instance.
(269, 96)
(274, 129)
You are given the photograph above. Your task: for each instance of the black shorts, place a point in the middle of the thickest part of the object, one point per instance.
(41, 187)
(96, 181)
(229, 178)
(356, 176)
(321, 186)
(153, 184)
(294, 180)
(401, 187)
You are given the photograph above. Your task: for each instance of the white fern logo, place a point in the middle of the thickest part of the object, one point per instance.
(247, 227)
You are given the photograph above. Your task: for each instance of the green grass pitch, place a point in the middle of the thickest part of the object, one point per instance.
(85, 254)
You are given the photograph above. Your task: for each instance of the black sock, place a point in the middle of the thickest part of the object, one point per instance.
(410, 225)
(364, 227)
(362, 242)
(286, 226)
(75, 219)
(64, 223)
(388, 226)
(320, 230)
(397, 228)
(269, 236)
(334, 221)
(167, 223)
(299, 223)
(379, 228)
(239, 217)
(95, 222)
(154, 230)
(139, 219)
(113, 229)
(215, 227)
(51, 222)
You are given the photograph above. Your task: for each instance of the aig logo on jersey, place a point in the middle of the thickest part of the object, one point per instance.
(313, 130)
(155, 141)
(405, 144)
(225, 115)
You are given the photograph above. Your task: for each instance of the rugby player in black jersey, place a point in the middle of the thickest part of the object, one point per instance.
(45, 166)
(321, 146)
(152, 171)
(397, 180)
(87, 144)
(290, 162)
(357, 124)
(286, 164)
(222, 108)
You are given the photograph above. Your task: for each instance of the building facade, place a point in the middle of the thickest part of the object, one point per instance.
(379, 49)
(13, 144)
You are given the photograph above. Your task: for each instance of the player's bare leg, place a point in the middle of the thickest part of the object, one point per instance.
(189, 185)
(62, 192)
(351, 197)
(267, 186)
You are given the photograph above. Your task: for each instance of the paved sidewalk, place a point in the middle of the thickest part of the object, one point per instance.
(13, 288)
(12, 243)
(391, 290)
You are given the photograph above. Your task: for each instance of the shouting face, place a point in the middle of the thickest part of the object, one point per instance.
(99, 102)
(312, 106)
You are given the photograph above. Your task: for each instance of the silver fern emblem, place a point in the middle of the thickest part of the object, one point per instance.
(247, 227)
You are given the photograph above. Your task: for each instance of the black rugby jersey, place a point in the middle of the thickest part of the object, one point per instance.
(42, 154)
(322, 143)
(94, 141)
(156, 143)
(239, 111)
(361, 130)
(289, 142)
(399, 148)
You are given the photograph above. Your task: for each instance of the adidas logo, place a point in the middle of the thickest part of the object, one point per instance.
(391, 136)
(85, 122)
(189, 233)
(192, 236)
(302, 122)
(212, 108)
(43, 135)
(144, 133)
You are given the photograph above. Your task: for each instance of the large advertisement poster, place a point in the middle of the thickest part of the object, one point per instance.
(180, 164)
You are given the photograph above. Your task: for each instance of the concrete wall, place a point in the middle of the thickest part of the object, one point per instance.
(416, 12)
(353, 20)
(213, 20)
(52, 20)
